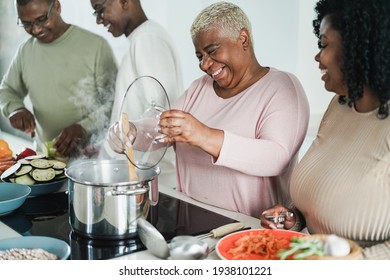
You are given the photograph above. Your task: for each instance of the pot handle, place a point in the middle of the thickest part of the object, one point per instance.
(129, 192)
(154, 194)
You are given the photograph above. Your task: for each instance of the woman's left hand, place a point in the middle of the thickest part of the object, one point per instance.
(278, 211)
(182, 127)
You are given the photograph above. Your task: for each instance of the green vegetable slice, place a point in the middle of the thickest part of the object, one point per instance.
(10, 171)
(58, 164)
(25, 180)
(60, 177)
(37, 156)
(43, 175)
(302, 248)
(24, 161)
(23, 170)
(41, 163)
(59, 172)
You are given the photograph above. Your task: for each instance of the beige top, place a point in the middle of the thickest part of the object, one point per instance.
(342, 184)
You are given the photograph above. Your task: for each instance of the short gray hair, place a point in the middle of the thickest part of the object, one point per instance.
(25, 2)
(224, 15)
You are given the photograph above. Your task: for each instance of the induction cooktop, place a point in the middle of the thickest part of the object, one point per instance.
(47, 215)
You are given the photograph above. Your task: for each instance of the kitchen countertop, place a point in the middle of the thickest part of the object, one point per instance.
(17, 144)
(6, 232)
(248, 221)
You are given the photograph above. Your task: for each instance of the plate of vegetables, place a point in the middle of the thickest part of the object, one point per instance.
(322, 247)
(42, 174)
(267, 244)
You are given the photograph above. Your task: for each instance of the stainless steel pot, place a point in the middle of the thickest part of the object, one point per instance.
(103, 203)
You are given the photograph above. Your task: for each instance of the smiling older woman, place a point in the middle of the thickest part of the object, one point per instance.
(237, 129)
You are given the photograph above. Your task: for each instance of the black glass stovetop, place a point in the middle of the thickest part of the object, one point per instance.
(47, 215)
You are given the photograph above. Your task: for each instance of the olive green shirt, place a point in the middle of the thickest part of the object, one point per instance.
(70, 80)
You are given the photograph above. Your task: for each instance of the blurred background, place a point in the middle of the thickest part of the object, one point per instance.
(282, 31)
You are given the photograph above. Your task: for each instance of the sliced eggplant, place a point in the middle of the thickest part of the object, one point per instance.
(58, 164)
(43, 175)
(41, 163)
(60, 177)
(25, 180)
(24, 169)
(59, 171)
(35, 170)
(10, 171)
(37, 156)
(24, 161)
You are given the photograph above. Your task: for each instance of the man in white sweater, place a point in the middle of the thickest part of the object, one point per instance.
(151, 53)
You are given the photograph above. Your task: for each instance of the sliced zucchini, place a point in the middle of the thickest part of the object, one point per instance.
(57, 164)
(10, 171)
(24, 161)
(37, 156)
(25, 180)
(43, 175)
(59, 171)
(41, 163)
(60, 177)
(24, 169)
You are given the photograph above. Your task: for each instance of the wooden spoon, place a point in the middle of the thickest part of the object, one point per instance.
(128, 150)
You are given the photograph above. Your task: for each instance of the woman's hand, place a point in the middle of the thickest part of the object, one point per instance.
(179, 126)
(278, 211)
(118, 140)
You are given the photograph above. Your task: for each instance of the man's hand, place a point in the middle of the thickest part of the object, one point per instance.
(68, 141)
(23, 120)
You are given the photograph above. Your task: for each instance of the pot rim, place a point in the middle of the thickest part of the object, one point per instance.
(79, 163)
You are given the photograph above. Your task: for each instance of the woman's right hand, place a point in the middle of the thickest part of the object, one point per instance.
(278, 210)
(119, 141)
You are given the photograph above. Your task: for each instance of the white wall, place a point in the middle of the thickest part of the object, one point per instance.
(307, 68)
(282, 32)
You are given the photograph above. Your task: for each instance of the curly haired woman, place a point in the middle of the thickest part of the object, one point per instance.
(342, 184)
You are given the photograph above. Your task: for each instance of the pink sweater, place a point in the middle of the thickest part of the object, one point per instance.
(264, 127)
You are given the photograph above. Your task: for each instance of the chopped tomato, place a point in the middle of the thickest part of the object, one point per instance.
(26, 153)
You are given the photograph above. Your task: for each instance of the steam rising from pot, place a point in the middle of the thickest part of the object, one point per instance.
(97, 108)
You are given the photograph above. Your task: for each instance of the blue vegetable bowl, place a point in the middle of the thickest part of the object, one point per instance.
(12, 196)
(46, 188)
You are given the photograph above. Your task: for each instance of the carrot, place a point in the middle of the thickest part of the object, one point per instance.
(4, 167)
(6, 158)
(9, 162)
